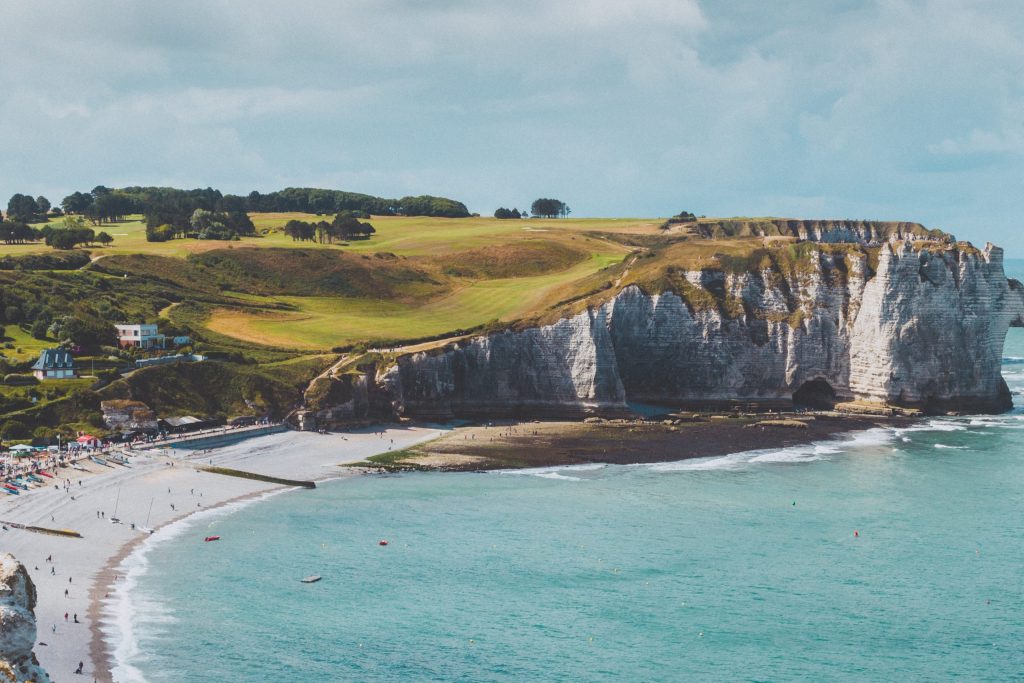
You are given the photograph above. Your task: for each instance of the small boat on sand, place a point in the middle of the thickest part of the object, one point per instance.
(211, 538)
(99, 461)
(80, 468)
(32, 477)
(12, 491)
(311, 579)
(46, 474)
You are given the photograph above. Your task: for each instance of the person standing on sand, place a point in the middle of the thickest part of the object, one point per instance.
(81, 665)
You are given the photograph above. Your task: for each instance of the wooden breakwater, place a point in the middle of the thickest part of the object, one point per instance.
(68, 533)
(227, 471)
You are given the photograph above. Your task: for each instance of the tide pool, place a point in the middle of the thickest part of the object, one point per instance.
(878, 556)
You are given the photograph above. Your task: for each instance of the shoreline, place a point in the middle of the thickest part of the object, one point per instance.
(106, 585)
(158, 489)
(517, 445)
(317, 457)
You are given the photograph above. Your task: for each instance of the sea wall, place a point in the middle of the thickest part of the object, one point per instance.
(923, 328)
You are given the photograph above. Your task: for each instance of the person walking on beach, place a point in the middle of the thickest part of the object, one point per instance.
(65, 616)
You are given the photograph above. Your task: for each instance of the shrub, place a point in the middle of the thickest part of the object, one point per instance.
(16, 380)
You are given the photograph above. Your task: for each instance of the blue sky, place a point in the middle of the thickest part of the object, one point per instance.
(886, 109)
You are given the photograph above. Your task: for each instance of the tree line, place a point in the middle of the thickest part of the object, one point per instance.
(541, 208)
(71, 232)
(168, 205)
(345, 226)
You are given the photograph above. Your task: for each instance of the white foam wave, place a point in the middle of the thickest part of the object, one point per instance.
(958, 448)
(811, 452)
(555, 471)
(125, 611)
(944, 425)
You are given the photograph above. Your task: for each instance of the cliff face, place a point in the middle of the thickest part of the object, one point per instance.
(17, 624)
(925, 329)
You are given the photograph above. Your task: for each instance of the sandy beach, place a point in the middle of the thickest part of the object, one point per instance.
(83, 571)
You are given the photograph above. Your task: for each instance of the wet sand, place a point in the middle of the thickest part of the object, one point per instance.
(547, 444)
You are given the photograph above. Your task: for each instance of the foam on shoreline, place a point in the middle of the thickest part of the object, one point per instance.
(122, 611)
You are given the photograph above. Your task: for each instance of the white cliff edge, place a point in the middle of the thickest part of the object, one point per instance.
(924, 330)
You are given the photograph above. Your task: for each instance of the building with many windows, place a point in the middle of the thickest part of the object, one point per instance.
(55, 364)
(142, 336)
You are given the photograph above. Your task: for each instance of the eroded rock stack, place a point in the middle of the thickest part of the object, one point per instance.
(17, 624)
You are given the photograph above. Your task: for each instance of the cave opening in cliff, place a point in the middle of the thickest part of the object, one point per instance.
(816, 393)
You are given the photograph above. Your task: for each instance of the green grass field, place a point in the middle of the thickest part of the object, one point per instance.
(323, 322)
(406, 236)
(20, 345)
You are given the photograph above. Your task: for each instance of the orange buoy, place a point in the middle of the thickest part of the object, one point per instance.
(382, 542)
(856, 534)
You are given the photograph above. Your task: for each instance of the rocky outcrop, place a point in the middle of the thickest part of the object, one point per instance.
(922, 328)
(17, 624)
(128, 416)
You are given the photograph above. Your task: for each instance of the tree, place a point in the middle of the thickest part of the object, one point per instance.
(502, 213)
(44, 204)
(549, 208)
(76, 202)
(160, 233)
(104, 238)
(22, 208)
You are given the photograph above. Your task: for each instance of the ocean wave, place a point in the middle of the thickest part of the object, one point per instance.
(555, 471)
(958, 448)
(944, 425)
(818, 450)
(1013, 360)
(125, 609)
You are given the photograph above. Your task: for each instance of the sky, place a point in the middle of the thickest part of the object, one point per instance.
(876, 109)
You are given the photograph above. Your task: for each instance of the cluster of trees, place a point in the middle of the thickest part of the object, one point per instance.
(503, 213)
(681, 217)
(15, 232)
(21, 208)
(319, 201)
(550, 208)
(345, 226)
(171, 206)
(72, 232)
(201, 223)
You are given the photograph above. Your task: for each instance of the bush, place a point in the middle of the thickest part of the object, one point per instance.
(16, 380)
(15, 429)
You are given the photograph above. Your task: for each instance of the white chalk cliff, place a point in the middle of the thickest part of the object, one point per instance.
(17, 624)
(924, 328)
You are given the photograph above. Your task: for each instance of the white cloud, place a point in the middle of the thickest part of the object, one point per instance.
(641, 107)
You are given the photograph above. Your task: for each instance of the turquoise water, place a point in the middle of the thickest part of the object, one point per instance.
(744, 567)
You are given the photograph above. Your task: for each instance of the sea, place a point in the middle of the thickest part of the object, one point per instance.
(889, 554)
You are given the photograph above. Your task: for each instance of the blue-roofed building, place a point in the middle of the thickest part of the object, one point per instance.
(55, 364)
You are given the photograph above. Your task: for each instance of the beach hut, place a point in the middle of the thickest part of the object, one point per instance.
(88, 441)
(22, 449)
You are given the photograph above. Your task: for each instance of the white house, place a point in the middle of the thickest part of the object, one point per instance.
(55, 364)
(143, 336)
